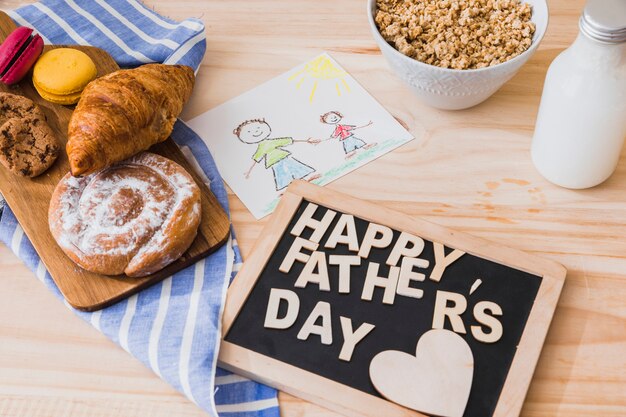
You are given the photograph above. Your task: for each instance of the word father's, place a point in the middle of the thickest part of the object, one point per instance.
(404, 264)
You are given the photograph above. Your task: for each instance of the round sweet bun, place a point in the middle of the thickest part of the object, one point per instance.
(133, 218)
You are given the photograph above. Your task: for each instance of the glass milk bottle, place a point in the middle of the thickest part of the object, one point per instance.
(581, 123)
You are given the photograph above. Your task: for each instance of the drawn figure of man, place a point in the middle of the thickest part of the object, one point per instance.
(344, 133)
(284, 166)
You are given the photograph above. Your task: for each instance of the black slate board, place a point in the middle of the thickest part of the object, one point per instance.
(523, 286)
(398, 326)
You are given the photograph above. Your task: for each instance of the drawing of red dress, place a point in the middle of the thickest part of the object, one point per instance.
(350, 142)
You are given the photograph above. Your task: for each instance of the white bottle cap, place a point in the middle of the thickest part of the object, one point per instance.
(604, 20)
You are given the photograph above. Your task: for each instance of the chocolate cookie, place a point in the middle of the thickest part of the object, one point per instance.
(27, 146)
(17, 107)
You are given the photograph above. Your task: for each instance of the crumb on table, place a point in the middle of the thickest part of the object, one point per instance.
(457, 34)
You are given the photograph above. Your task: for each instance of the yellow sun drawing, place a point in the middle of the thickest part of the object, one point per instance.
(321, 69)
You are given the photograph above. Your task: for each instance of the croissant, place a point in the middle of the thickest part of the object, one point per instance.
(124, 113)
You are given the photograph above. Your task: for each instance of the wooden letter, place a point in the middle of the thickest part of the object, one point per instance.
(372, 280)
(307, 220)
(344, 262)
(317, 260)
(345, 222)
(488, 320)
(325, 330)
(271, 315)
(350, 338)
(407, 275)
(442, 261)
(294, 254)
(453, 312)
(376, 236)
(401, 248)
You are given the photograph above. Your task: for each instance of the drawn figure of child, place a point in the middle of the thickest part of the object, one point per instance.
(284, 166)
(344, 133)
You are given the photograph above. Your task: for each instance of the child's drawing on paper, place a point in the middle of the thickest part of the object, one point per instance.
(345, 133)
(318, 124)
(285, 167)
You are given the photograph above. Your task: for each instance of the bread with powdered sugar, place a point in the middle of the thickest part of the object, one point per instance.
(134, 217)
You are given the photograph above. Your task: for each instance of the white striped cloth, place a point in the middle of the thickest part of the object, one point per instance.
(172, 327)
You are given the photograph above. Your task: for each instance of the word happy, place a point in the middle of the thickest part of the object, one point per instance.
(404, 265)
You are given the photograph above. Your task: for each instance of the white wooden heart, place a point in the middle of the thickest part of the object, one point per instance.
(437, 380)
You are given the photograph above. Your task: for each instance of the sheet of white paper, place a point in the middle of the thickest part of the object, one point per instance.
(271, 132)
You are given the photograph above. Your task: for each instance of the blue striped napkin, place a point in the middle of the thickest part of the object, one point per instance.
(172, 327)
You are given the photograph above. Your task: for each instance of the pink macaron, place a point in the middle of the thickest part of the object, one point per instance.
(18, 53)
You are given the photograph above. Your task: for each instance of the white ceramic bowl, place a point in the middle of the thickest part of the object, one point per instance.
(457, 89)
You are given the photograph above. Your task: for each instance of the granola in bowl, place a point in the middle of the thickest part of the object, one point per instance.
(456, 34)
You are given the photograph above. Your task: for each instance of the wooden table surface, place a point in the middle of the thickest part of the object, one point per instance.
(469, 170)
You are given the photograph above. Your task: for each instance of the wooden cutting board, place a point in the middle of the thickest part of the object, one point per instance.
(29, 200)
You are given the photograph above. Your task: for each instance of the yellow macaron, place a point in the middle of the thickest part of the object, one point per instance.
(60, 75)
